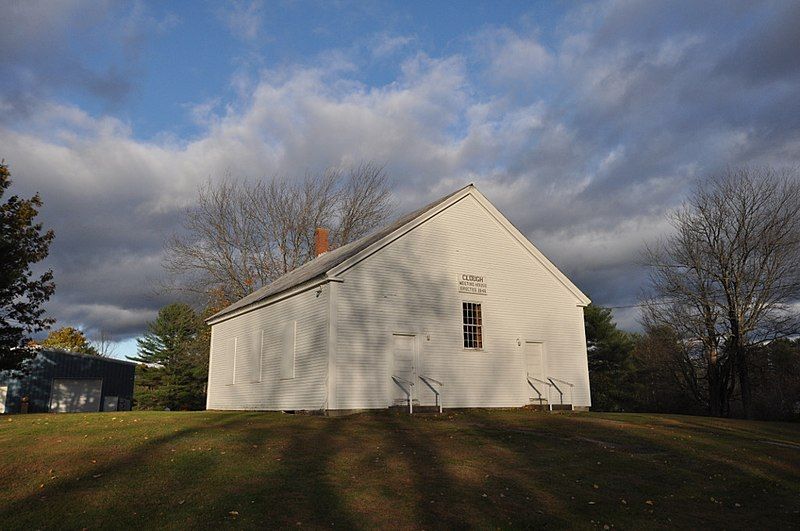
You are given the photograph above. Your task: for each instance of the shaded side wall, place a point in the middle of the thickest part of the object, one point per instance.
(254, 381)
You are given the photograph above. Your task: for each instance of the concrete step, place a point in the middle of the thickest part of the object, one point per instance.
(537, 407)
(562, 407)
(417, 409)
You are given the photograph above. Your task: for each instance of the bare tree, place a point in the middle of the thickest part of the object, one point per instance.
(684, 298)
(104, 346)
(728, 277)
(242, 235)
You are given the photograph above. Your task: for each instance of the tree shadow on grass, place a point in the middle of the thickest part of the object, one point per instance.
(455, 481)
(481, 469)
(300, 489)
(45, 506)
(678, 476)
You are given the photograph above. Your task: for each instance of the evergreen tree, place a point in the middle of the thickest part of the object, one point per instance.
(174, 357)
(22, 295)
(610, 364)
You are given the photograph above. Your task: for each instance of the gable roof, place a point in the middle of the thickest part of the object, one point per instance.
(341, 257)
(320, 265)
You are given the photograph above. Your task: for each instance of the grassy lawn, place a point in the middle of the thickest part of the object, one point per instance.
(505, 469)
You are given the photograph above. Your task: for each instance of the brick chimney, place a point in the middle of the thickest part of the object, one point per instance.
(320, 241)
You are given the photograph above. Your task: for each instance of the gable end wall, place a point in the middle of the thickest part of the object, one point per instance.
(411, 286)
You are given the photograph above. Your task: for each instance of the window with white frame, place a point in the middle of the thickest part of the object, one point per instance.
(473, 325)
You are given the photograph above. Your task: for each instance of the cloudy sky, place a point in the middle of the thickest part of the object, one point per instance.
(584, 123)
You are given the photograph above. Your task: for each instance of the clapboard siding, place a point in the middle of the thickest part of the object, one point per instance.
(411, 286)
(258, 337)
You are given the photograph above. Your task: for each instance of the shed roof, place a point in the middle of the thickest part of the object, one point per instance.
(92, 357)
(319, 266)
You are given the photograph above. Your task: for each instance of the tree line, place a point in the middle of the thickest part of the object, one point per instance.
(719, 317)
(647, 372)
(720, 314)
(239, 236)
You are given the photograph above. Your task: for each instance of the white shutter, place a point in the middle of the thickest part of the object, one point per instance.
(287, 350)
(233, 369)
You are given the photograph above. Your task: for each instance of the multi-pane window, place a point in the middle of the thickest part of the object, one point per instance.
(473, 325)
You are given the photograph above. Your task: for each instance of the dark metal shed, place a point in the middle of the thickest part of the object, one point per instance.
(67, 382)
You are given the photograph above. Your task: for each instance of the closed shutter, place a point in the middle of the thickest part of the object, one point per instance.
(287, 350)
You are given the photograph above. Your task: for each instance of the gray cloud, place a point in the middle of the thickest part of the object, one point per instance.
(40, 55)
(772, 51)
(585, 144)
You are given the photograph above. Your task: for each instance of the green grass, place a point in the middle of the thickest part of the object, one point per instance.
(507, 469)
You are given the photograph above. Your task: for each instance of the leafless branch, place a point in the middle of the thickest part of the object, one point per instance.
(241, 235)
(728, 275)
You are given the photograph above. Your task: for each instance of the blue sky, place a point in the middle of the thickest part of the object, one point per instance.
(584, 122)
(192, 50)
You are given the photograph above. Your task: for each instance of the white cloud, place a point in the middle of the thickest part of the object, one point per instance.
(244, 19)
(385, 44)
(586, 166)
(513, 60)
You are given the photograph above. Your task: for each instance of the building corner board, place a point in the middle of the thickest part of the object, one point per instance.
(333, 312)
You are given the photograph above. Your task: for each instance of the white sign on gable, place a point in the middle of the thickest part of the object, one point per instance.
(473, 284)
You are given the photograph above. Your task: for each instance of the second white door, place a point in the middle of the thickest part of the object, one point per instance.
(404, 368)
(534, 359)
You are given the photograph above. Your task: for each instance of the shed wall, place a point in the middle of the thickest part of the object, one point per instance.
(117, 378)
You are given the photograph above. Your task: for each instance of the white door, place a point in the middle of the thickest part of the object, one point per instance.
(534, 365)
(3, 393)
(71, 396)
(404, 368)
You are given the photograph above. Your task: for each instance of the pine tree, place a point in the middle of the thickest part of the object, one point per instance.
(610, 363)
(174, 357)
(22, 295)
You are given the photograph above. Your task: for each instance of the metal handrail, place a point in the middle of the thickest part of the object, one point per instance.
(532, 379)
(402, 380)
(434, 380)
(437, 393)
(538, 380)
(560, 392)
(408, 392)
(560, 381)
